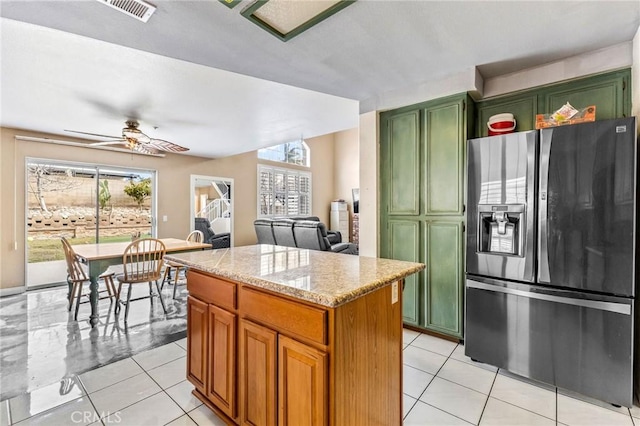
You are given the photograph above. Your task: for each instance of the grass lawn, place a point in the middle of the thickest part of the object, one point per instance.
(51, 249)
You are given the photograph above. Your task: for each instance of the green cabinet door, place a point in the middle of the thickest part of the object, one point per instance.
(524, 110)
(606, 93)
(444, 142)
(401, 166)
(444, 245)
(403, 241)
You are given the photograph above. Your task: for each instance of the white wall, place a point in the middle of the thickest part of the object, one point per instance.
(598, 61)
(369, 184)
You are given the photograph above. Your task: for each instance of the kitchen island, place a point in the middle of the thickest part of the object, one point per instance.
(279, 335)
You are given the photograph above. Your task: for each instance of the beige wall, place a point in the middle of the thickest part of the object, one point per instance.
(347, 167)
(173, 174)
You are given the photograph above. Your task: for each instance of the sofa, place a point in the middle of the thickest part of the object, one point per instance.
(307, 234)
(335, 237)
(217, 241)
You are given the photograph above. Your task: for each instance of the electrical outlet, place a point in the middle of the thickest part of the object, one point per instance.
(165, 218)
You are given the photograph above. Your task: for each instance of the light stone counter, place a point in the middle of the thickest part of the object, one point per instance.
(324, 278)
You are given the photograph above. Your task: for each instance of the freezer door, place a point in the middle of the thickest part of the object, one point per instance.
(501, 206)
(565, 338)
(587, 199)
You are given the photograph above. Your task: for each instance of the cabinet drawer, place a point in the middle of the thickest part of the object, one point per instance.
(211, 289)
(285, 315)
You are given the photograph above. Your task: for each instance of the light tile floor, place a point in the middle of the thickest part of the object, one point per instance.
(441, 387)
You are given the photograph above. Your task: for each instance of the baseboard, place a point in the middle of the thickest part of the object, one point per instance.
(12, 290)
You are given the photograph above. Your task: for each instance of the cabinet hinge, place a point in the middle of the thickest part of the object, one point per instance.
(464, 228)
(624, 84)
(464, 105)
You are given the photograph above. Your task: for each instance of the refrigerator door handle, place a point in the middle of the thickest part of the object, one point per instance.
(543, 232)
(619, 308)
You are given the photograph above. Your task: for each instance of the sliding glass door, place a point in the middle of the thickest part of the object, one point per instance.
(86, 204)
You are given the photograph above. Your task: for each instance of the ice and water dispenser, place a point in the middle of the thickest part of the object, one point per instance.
(501, 229)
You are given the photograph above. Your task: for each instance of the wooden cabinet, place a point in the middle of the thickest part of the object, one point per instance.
(302, 387)
(257, 374)
(221, 383)
(609, 92)
(268, 359)
(197, 343)
(422, 179)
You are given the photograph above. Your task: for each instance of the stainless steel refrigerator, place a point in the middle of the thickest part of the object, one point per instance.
(551, 247)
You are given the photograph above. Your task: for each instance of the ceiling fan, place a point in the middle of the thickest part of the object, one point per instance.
(135, 140)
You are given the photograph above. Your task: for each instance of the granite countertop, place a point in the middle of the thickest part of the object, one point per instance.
(325, 278)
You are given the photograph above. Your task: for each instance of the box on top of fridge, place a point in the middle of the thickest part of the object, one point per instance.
(567, 114)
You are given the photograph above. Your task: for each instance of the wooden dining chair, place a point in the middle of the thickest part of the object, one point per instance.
(142, 263)
(77, 277)
(195, 237)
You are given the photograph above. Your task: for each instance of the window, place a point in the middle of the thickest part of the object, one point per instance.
(296, 152)
(283, 192)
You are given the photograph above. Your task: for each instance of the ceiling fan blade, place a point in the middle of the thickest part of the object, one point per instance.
(167, 146)
(92, 134)
(145, 149)
(113, 142)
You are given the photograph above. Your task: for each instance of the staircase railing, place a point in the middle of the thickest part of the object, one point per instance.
(217, 208)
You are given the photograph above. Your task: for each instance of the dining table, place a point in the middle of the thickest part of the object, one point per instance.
(99, 257)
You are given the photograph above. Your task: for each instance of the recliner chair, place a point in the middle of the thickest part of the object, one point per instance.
(313, 235)
(264, 231)
(283, 232)
(335, 237)
(217, 241)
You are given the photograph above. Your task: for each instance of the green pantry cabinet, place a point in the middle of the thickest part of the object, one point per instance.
(422, 182)
(422, 178)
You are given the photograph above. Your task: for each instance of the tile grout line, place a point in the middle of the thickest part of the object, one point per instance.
(488, 396)
(431, 381)
(127, 406)
(162, 389)
(525, 409)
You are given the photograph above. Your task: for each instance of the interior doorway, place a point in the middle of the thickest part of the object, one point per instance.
(212, 198)
(84, 203)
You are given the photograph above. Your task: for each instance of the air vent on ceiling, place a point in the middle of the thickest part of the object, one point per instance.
(138, 9)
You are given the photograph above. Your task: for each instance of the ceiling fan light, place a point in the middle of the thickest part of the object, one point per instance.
(131, 133)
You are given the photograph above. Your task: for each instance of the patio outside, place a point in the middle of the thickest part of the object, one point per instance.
(85, 206)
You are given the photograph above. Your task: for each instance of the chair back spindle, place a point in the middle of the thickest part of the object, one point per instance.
(143, 259)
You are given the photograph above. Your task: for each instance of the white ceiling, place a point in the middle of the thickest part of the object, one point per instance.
(211, 80)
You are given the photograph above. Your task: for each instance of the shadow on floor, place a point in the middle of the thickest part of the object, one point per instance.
(41, 344)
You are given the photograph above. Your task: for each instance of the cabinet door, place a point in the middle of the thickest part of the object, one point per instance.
(221, 381)
(197, 335)
(443, 152)
(444, 276)
(302, 384)
(257, 375)
(606, 94)
(400, 164)
(402, 241)
(523, 108)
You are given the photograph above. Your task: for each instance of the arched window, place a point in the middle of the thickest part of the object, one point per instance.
(296, 152)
